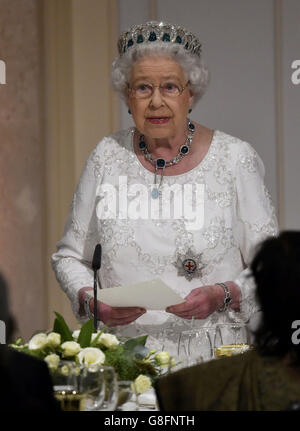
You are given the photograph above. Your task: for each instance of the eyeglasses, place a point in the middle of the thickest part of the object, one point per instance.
(167, 89)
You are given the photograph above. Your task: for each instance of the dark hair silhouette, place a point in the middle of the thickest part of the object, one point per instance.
(5, 314)
(276, 270)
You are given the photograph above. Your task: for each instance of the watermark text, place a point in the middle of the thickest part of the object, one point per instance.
(2, 72)
(135, 201)
(296, 334)
(296, 74)
(2, 332)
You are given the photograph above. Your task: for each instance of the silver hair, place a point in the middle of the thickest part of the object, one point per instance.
(195, 71)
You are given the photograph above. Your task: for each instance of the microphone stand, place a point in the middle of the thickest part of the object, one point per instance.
(96, 265)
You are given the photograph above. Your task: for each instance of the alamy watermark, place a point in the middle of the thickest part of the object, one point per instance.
(295, 78)
(135, 202)
(2, 72)
(2, 332)
(296, 334)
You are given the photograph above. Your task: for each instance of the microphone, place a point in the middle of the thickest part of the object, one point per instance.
(96, 265)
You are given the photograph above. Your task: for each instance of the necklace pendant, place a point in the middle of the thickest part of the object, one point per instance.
(160, 163)
(155, 193)
(189, 265)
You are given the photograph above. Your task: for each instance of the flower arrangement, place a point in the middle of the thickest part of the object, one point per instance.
(130, 358)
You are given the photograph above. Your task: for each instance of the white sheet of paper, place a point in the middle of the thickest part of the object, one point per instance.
(151, 295)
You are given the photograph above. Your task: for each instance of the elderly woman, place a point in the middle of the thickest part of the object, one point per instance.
(168, 198)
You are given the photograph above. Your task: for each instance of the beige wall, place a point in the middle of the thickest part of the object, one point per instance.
(22, 164)
(54, 108)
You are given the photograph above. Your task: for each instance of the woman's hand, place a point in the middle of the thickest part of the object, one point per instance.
(203, 301)
(111, 316)
(117, 316)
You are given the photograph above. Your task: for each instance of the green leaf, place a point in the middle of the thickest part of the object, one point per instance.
(125, 367)
(146, 367)
(85, 335)
(140, 352)
(62, 328)
(131, 344)
(18, 342)
(94, 343)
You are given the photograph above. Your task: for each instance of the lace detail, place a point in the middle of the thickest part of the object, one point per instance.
(223, 199)
(248, 162)
(217, 233)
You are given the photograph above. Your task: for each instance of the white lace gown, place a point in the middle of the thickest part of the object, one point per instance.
(237, 214)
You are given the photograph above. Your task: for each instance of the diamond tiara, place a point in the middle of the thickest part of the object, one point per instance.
(154, 31)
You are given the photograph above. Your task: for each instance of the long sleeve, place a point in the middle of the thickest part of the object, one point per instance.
(72, 261)
(256, 219)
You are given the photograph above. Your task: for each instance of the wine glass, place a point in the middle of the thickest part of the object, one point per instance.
(231, 338)
(92, 386)
(170, 340)
(111, 389)
(127, 398)
(65, 380)
(195, 346)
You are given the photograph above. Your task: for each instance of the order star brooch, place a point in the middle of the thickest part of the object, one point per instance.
(189, 265)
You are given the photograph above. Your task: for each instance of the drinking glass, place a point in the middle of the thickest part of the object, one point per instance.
(169, 341)
(231, 338)
(195, 346)
(92, 386)
(111, 389)
(127, 398)
(65, 379)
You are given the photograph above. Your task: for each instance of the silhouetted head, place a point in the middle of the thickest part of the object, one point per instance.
(5, 314)
(276, 270)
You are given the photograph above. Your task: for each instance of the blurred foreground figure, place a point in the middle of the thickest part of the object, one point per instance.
(25, 381)
(267, 377)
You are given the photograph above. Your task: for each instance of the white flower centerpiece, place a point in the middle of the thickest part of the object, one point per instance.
(130, 358)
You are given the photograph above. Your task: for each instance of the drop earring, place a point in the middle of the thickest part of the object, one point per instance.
(190, 110)
(129, 112)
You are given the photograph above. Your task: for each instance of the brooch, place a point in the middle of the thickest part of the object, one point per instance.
(189, 265)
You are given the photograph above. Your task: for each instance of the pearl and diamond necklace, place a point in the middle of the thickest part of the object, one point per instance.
(161, 163)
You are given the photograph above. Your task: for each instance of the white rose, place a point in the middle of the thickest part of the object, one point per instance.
(38, 341)
(52, 361)
(75, 334)
(65, 370)
(53, 339)
(162, 359)
(70, 348)
(108, 340)
(141, 384)
(173, 362)
(91, 356)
